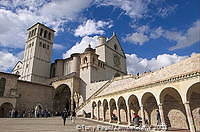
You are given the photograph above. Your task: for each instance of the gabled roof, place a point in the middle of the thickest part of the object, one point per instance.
(114, 36)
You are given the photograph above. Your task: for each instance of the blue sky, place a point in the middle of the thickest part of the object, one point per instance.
(153, 33)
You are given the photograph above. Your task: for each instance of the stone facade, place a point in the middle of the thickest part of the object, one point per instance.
(175, 92)
(96, 82)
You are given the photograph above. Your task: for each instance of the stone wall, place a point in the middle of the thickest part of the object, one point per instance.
(32, 94)
(185, 66)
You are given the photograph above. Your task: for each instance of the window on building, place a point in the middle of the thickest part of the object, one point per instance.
(85, 60)
(93, 60)
(49, 36)
(47, 46)
(41, 31)
(2, 86)
(32, 43)
(34, 31)
(40, 44)
(115, 47)
(45, 33)
(44, 45)
(17, 72)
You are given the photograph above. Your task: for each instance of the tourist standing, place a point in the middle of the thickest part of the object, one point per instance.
(136, 119)
(64, 115)
(12, 113)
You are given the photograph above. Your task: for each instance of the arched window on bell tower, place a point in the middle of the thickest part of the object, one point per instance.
(45, 33)
(85, 60)
(41, 31)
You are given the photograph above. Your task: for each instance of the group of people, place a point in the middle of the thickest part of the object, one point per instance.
(137, 120)
(29, 113)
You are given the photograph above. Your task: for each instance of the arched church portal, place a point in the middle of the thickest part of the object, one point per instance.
(5, 108)
(62, 98)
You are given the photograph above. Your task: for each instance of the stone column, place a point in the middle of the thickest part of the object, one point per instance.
(160, 106)
(189, 117)
(142, 115)
(128, 115)
(110, 113)
(72, 104)
(118, 116)
(104, 114)
(98, 118)
(92, 113)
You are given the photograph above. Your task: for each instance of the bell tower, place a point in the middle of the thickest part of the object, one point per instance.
(37, 54)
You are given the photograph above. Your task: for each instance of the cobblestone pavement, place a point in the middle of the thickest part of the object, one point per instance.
(54, 124)
(41, 124)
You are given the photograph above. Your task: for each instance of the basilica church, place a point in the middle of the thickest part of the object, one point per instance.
(96, 83)
(65, 83)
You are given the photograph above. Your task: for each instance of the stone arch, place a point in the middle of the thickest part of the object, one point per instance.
(2, 86)
(173, 108)
(85, 60)
(113, 109)
(106, 110)
(193, 97)
(150, 106)
(38, 109)
(94, 110)
(100, 110)
(133, 104)
(5, 109)
(122, 109)
(62, 98)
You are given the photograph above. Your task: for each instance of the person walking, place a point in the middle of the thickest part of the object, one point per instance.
(64, 115)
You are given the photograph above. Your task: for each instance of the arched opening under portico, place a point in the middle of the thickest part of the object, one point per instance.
(134, 106)
(113, 110)
(62, 98)
(106, 110)
(173, 109)
(150, 106)
(193, 97)
(5, 110)
(100, 110)
(122, 110)
(94, 110)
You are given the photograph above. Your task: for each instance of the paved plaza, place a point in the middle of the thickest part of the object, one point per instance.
(41, 124)
(54, 124)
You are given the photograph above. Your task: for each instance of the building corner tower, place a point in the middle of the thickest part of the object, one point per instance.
(37, 54)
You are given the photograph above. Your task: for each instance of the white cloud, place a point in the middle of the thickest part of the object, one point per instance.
(133, 8)
(17, 15)
(90, 27)
(64, 9)
(137, 9)
(58, 46)
(158, 32)
(136, 64)
(192, 36)
(137, 38)
(7, 61)
(82, 45)
(144, 34)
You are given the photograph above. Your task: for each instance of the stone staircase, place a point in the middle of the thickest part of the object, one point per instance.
(93, 95)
